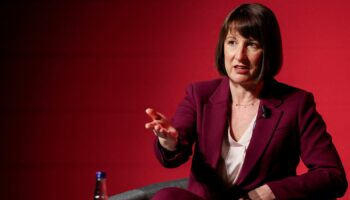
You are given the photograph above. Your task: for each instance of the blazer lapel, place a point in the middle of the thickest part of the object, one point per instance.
(215, 122)
(264, 129)
(215, 126)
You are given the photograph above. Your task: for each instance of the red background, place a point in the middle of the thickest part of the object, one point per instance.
(75, 78)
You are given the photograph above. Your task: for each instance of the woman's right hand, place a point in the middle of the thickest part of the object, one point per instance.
(162, 128)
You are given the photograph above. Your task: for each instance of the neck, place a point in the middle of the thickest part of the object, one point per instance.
(245, 94)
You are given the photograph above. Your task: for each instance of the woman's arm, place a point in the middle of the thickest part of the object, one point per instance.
(174, 151)
(325, 178)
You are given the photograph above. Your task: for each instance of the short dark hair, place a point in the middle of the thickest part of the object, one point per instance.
(259, 22)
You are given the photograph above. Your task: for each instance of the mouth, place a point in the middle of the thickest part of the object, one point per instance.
(241, 69)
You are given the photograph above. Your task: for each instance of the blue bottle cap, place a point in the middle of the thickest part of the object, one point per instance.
(100, 174)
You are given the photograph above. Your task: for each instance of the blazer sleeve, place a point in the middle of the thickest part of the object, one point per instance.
(184, 121)
(325, 178)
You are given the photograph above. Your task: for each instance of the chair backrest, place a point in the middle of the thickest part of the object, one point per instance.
(145, 193)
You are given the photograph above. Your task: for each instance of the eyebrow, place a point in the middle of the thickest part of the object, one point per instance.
(230, 37)
(253, 40)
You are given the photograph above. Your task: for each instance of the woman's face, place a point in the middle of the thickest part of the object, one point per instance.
(243, 58)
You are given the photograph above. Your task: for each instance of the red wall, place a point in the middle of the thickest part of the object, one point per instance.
(75, 79)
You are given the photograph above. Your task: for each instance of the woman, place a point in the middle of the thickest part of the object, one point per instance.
(248, 129)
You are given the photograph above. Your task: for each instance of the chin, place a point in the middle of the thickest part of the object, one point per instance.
(243, 81)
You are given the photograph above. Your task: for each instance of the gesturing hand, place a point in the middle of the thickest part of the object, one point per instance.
(167, 134)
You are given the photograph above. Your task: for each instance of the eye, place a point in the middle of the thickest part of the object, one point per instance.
(253, 44)
(231, 42)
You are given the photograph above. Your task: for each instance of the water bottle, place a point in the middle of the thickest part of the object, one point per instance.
(101, 186)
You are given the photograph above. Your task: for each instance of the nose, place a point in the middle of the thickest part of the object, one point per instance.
(240, 54)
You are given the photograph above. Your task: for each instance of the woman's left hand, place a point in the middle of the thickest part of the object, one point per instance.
(261, 193)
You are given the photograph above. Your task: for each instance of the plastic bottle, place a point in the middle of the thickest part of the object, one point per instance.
(101, 186)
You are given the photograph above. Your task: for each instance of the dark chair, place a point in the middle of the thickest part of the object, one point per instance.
(145, 193)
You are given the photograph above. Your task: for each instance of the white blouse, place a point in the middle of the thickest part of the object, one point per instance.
(233, 154)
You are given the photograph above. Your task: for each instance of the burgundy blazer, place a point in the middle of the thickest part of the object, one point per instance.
(288, 127)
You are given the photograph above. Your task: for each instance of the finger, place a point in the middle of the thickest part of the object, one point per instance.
(163, 131)
(153, 114)
(150, 125)
(159, 131)
(159, 128)
(159, 134)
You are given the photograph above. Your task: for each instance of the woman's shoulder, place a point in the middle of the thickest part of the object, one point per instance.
(205, 89)
(208, 83)
(286, 91)
(208, 86)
